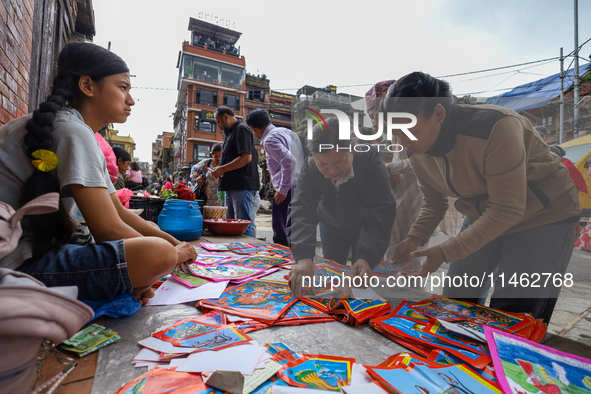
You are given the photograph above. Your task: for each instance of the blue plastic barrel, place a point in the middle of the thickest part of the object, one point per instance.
(181, 219)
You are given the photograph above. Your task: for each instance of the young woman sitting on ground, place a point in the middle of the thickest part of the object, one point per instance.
(54, 150)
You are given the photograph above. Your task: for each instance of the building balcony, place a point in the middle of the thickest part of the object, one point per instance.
(214, 53)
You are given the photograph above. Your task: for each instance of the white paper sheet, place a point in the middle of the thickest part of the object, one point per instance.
(172, 292)
(234, 318)
(175, 362)
(263, 361)
(366, 294)
(359, 375)
(147, 355)
(163, 346)
(241, 358)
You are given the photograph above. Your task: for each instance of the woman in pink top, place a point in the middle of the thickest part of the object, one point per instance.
(168, 185)
(133, 176)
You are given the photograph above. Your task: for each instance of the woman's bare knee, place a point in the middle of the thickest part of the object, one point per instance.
(148, 259)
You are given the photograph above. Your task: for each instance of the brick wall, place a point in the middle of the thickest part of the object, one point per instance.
(16, 36)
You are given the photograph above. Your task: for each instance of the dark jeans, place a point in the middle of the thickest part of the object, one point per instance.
(525, 254)
(281, 220)
(99, 271)
(336, 244)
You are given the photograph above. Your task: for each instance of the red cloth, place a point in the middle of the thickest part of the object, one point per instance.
(576, 176)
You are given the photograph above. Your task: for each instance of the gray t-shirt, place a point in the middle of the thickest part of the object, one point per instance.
(80, 162)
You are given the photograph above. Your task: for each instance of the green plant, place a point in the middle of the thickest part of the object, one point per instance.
(189, 70)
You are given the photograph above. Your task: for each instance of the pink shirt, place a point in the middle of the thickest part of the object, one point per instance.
(134, 176)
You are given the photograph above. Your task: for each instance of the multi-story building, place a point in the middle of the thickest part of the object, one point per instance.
(114, 139)
(211, 73)
(162, 163)
(259, 95)
(319, 98)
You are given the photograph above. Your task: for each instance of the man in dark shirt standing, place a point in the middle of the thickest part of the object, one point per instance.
(238, 166)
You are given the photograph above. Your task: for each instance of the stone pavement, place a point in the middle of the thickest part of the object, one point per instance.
(572, 315)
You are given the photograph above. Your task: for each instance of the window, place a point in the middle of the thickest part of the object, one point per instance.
(211, 71)
(200, 152)
(203, 125)
(256, 95)
(206, 97)
(232, 101)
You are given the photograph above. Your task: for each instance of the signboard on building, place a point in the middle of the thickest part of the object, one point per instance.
(212, 18)
(281, 95)
(207, 116)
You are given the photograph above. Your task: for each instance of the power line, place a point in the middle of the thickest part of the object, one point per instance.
(499, 68)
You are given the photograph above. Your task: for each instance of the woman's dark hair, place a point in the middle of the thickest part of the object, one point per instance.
(134, 166)
(217, 147)
(417, 93)
(168, 179)
(323, 136)
(52, 230)
(258, 118)
(121, 153)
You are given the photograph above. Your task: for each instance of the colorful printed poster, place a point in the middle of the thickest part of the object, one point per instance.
(216, 318)
(224, 272)
(220, 338)
(260, 247)
(524, 367)
(318, 372)
(321, 262)
(389, 268)
(300, 313)
(256, 276)
(350, 311)
(210, 258)
(183, 329)
(187, 279)
(441, 357)
(423, 378)
(411, 334)
(223, 247)
(161, 380)
(259, 299)
(476, 314)
(258, 261)
(434, 327)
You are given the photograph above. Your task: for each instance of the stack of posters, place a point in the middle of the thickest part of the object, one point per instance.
(318, 372)
(347, 309)
(261, 300)
(224, 272)
(89, 340)
(389, 268)
(403, 373)
(452, 332)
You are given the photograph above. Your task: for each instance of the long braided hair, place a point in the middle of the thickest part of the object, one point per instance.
(51, 231)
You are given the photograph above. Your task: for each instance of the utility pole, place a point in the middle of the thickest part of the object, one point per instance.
(576, 74)
(561, 133)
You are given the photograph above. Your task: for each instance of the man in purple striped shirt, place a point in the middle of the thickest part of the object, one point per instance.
(284, 152)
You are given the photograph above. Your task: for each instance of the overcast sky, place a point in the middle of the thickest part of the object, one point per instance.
(350, 44)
